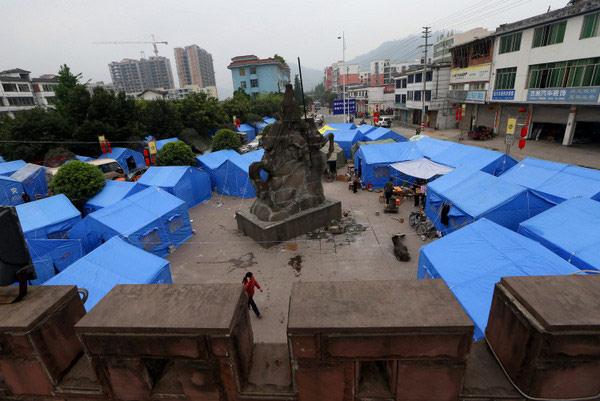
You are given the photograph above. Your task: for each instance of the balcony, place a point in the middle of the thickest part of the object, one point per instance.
(467, 96)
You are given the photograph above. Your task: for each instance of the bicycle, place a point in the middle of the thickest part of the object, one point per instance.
(415, 218)
(426, 230)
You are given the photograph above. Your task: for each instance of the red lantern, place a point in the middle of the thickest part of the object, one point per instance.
(522, 143)
(524, 130)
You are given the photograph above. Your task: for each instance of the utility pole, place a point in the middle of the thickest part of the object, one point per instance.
(426, 35)
(343, 37)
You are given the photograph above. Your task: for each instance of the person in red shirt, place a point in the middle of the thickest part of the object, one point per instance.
(249, 283)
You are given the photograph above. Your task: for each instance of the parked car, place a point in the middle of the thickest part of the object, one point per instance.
(111, 169)
(385, 121)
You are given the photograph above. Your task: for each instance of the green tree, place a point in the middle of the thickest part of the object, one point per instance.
(279, 58)
(176, 154)
(160, 118)
(226, 139)
(78, 181)
(267, 104)
(72, 97)
(238, 105)
(202, 113)
(56, 157)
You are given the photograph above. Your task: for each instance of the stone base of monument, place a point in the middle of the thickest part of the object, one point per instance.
(269, 233)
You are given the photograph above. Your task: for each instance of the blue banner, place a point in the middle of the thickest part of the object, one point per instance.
(338, 106)
(565, 95)
(503, 94)
(476, 96)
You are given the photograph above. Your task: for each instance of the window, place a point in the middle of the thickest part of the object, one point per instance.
(510, 43)
(58, 235)
(150, 240)
(9, 87)
(403, 83)
(51, 100)
(398, 83)
(398, 98)
(242, 72)
(417, 96)
(418, 77)
(505, 78)
(20, 101)
(403, 99)
(411, 79)
(590, 26)
(24, 88)
(427, 96)
(428, 76)
(574, 73)
(252, 70)
(243, 84)
(409, 95)
(48, 87)
(549, 34)
(175, 223)
(254, 83)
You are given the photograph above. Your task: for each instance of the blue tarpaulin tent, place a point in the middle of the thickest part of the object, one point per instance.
(473, 259)
(432, 147)
(128, 159)
(342, 126)
(555, 182)
(260, 126)
(347, 138)
(384, 133)
(209, 162)
(83, 158)
(162, 142)
(269, 120)
(112, 192)
(8, 168)
(2, 159)
(231, 177)
(151, 219)
(373, 161)
(571, 230)
(33, 178)
(458, 155)
(187, 183)
(471, 195)
(365, 128)
(115, 262)
(11, 191)
(248, 131)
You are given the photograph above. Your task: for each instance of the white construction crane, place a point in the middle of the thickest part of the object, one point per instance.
(154, 42)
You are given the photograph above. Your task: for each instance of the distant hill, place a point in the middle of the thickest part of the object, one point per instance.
(311, 77)
(404, 49)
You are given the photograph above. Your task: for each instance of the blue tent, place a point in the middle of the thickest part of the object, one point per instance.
(473, 259)
(458, 155)
(555, 182)
(365, 128)
(151, 219)
(209, 162)
(269, 120)
(432, 147)
(112, 192)
(7, 168)
(33, 178)
(373, 161)
(471, 195)
(128, 159)
(344, 126)
(162, 142)
(2, 159)
(83, 158)
(571, 230)
(187, 183)
(231, 177)
(260, 126)
(248, 131)
(51, 256)
(384, 133)
(347, 138)
(115, 262)
(11, 191)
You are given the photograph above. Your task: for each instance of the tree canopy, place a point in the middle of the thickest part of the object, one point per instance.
(176, 154)
(226, 139)
(78, 181)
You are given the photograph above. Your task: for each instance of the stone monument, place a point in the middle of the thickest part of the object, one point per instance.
(289, 194)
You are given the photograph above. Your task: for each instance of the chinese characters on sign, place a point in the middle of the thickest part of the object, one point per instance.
(565, 95)
(503, 94)
(476, 96)
(338, 106)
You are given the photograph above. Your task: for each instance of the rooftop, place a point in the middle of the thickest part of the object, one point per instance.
(248, 60)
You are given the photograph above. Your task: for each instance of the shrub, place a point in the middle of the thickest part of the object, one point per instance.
(226, 139)
(78, 181)
(176, 154)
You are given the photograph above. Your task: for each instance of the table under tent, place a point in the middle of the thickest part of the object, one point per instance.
(473, 259)
(187, 183)
(112, 263)
(571, 230)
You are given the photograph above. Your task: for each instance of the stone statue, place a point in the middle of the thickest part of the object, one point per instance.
(288, 178)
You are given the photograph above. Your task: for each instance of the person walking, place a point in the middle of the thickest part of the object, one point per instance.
(250, 283)
(388, 191)
(355, 183)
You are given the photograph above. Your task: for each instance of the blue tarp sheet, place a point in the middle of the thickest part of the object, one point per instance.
(231, 177)
(11, 191)
(342, 126)
(373, 161)
(151, 219)
(188, 183)
(365, 128)
(380, 133)
(115, 262)
(346, 138)
(432, 147)
(162, 142)
(248, 130)
(7, 168)
(33, 178)
(123, 155)
(83, 158)
(212, 160)
(473, 259)
(472, 195)
(458, 155)
(571, 230)
(2, 159)
(112, 192)
(269, 120)
(553, 181)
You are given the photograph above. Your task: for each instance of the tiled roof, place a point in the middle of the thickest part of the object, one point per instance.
(235, 62)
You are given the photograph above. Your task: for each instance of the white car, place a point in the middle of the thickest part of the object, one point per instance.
(385, 121)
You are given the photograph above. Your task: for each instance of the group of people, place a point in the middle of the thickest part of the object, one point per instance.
(419, 191)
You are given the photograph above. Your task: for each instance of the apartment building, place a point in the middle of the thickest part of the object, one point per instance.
(134, 76)
(19, 92)
(255, 75)
(194, 66)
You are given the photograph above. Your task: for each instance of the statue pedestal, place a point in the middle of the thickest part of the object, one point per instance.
(269, 233)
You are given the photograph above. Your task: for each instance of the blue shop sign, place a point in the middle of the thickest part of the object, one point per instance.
(565, 95)
(503, 94)
(475, 96)
(338, 106)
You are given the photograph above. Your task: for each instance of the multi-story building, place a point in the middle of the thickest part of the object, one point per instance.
(194, 66)
(345, 74)
(443, 44)
(546, 73)
(469, 83)
(133, 76)
(409, 95)
(328, 78)
(180, 93)
(361, 95)
(18, 91)
(382, 72)
(254, 75)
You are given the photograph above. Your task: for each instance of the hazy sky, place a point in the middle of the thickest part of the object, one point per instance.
(40, 35)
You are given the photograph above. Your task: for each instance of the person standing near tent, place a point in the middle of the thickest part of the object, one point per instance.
(388, 191)
(355, 183)
(250, 284)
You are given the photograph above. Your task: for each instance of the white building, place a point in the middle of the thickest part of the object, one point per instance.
(19, 92)
(443, 44)
(180, 93)
(546, 73)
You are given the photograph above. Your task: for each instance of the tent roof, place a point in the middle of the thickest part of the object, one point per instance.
(26, 171)
(83, 158)
(432, 147)
(559, 181)
(245, 128)
(348, 135)
(421, 168)
(471, 260)
(571, 228)
(342, 126)
(166, 176)
(45, 212)
(11, 167)
(112, 192)
(246, 159)
(214, 159)
(365, 128)
(269, 120)
(459, 155)
(136, 211)
(390, 152)
(475, 193)
(115, 154)
(377, 133)
(162, 142)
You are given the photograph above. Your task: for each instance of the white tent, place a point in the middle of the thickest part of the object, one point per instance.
(421, 168)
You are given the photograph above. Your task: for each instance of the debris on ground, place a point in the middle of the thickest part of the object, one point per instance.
(346, 226)
(296, 263)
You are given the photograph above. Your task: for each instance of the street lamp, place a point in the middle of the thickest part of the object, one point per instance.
(343, 38)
